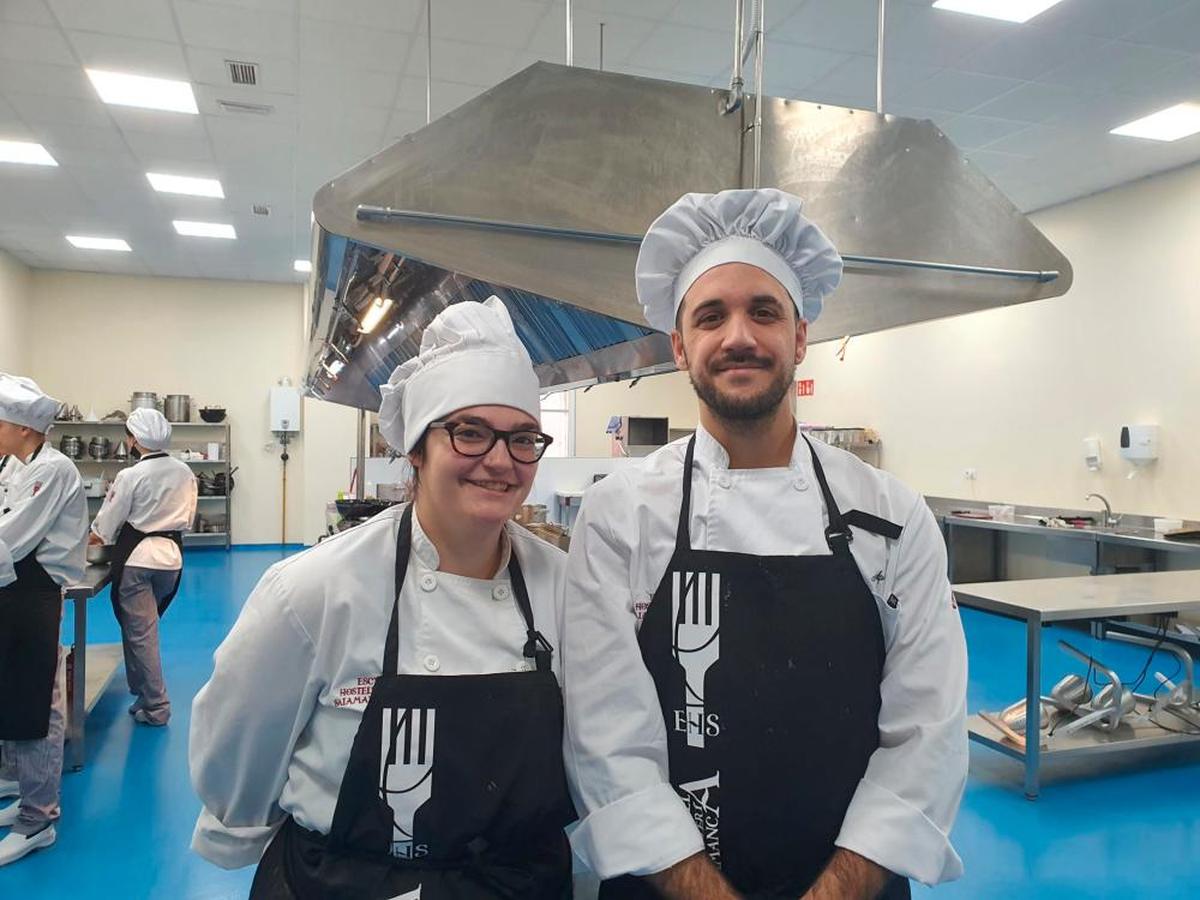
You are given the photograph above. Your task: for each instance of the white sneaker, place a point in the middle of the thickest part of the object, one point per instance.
(8, 815)
(15, 846)
(9, 789)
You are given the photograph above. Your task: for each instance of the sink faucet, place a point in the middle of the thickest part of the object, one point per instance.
(1110, 521)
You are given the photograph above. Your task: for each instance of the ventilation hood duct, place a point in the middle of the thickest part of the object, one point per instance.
(540, 189)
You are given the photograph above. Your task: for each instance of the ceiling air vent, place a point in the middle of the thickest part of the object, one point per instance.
(253, 109)
(242, 72)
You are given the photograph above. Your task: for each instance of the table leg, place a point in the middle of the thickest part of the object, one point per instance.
(1033, 701)
(78, 711)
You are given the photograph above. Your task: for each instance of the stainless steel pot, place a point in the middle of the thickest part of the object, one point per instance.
(178, 408)
(143, 400)
(99, 448)
(71, 446)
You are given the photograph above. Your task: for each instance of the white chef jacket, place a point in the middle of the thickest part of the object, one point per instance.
(156, 494)
(616, 748)
(45, 513)
(271, 731)
(9, 467)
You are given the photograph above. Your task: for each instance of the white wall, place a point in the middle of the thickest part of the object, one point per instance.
(1012, 392)
(98, 338)
(15, 286)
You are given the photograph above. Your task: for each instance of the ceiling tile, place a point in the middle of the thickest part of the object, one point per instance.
(33, 43)
(33, 108)
(330, 44)
(338, 84)
(45, 80)
(955, 91)
(847, 26)
(463, 63)
(29, 12)
(1178, 30)
(979, 131)
(794, 66)
(506, 24)
(174, 155)
(128, 18)
(1028, 54)
(922, 34)
(679, 48)
(1106, 18)
(244, 30)
(855, 79)
(1032, 102)
(1112, 66)
(158, 59)
(385, 15)
(131, 118)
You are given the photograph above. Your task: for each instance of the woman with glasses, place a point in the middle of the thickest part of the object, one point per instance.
(384, 720)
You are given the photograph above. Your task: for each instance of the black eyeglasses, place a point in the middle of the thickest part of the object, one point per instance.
(477, 439)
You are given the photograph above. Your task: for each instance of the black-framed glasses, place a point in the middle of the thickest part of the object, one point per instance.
(477, 439)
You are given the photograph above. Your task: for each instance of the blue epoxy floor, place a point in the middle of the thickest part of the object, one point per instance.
(1133, 830)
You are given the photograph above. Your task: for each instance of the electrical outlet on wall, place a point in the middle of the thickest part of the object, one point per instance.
(969, 474)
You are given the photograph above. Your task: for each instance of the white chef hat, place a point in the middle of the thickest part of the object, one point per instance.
(470, 356)
(22, 402)
(149, 428)
(764, 228)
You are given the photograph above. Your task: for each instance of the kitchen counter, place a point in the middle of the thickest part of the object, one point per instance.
(103, 659)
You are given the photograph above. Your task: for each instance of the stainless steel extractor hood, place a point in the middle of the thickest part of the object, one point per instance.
(540, 189)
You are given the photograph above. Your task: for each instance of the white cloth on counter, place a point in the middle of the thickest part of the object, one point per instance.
(22, 402)
(762, 227)
(45, 512)
(149, 428)
(156, 494)
(623, 540)
(470, 356)
(271, 731)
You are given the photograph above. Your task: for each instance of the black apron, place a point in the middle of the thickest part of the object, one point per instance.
(30, 617)
(128, 539)
(480, 757)
(768, 671)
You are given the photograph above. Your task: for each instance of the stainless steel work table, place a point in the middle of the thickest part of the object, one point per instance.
(103, 659)
(1041, 601)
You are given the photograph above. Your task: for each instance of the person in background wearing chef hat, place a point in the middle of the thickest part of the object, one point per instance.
(760, 625)
(144, 515)
(43, 539)
(330, 734)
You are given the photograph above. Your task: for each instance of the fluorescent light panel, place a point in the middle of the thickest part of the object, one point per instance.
(204, 229)
(122, 89)
(25, 152)
(374, 314)
(1005, 10)
(185, 184)
(1168, 124)
(302, 265)
(98, 243)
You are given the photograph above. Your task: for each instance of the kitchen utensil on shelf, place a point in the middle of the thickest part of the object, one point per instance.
(99, 448)
(143, 400)
(178, 407)
(212, 414)
(121, 454)
(71, 446)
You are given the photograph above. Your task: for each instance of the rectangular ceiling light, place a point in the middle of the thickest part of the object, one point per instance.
(204, 229)
(302, 265)
(122, 89)
(1006, 10)
(98, 243)
(184, 184)
(1170, 124)
(25, 152)
(374, 314)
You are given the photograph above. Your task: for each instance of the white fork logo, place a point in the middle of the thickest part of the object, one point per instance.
(406, 771)
(696, 615)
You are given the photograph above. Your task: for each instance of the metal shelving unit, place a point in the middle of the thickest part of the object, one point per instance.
(194, 432)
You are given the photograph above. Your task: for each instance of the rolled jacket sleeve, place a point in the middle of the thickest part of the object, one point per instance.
(114, 511)
(902, 812)
(632, 821)
(245, 724)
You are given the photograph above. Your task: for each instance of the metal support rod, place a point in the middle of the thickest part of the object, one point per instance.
(1033, 705)
(428, 61)
(601, 46)
(759, 42)
(734, 101)
(370, 213)
(879, 58)
(570, 36)
(360, 483)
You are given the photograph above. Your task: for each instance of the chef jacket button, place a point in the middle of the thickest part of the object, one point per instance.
(432, 663)
(800, 484)
(725, 481)
(428, 582)
(500, 592)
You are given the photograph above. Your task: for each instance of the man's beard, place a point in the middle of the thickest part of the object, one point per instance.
(751, 408)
